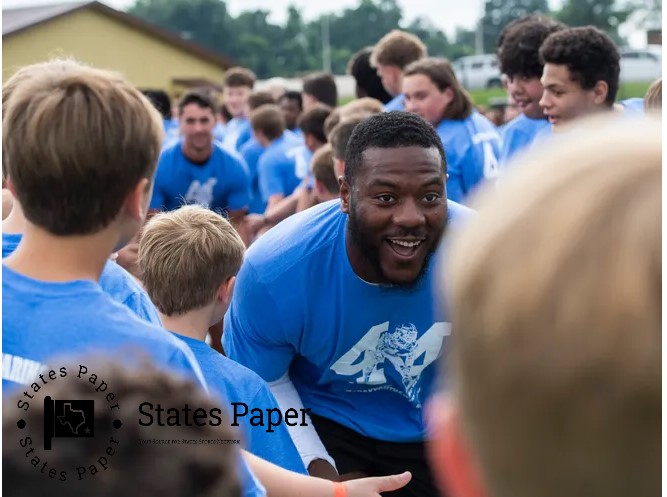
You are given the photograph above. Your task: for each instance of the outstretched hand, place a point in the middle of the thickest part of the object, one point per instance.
(373, 486)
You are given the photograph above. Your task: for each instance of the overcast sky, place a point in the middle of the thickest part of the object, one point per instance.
(445, 14)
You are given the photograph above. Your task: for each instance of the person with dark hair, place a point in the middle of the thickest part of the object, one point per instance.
(368, 83)
(196, 170)
(340, 137)
(518, 54)
(162, 103)
(581, 74)
(471, 141)
(360, 352)
(319, 88)
(135, 468)
(237, 86)
(291, 103)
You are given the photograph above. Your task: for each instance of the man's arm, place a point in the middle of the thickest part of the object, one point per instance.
(280, 482)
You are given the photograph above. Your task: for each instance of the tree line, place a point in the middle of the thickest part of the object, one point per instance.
(296, 47)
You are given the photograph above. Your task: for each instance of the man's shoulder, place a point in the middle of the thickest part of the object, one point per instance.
(298, 238)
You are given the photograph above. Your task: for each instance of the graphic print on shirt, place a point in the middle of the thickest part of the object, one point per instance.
(368, 359)
(201, 194)
(300, 162)
(490, 160)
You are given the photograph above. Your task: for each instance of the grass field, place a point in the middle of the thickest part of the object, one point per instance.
(627, 90)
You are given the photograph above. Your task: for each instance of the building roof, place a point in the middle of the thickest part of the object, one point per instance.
(15, 21)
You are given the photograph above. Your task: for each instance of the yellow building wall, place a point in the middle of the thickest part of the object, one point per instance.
(104, 42)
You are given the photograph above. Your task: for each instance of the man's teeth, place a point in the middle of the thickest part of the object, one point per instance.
(406, 244)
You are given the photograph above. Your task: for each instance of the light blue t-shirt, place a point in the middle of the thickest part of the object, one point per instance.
(363, 355)
(633, 106)
(237, 132)
(518, 134)
(396, 103)
(220, 183)
(114, 280)
(251, 151)
(277, 169)
(43, 322)
(172, 130)
(236, 383)
(219, 132)
(472, 148)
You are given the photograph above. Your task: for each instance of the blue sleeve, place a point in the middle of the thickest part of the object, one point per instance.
(253, 335)
(270, 180)
(276, 447)
(158, 198)
(238, 185)
(141, 305)
(244, 136)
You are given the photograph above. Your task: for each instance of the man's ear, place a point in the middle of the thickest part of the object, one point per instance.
(226, 290)
(345, 192)
(450, 453)
(600, 92)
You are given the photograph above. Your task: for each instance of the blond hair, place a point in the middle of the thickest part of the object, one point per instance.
(397, 48)
(653, 97)
(184, 257)
(77, 141)
(555, 353)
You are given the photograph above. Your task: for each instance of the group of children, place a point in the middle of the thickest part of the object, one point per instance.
(86, 161)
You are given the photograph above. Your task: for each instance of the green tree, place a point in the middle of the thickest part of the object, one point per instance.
(605, 14)
(498, 13)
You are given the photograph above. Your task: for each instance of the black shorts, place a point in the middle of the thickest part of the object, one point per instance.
(356, 453)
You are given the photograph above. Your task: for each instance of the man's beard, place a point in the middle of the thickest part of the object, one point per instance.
(370, 251)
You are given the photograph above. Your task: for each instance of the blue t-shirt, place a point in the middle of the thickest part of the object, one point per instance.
(360, 354)
(172, 130)
(219, 132)
(237, 132)
(114, 280)
(220, 183)
(236, 383)
(276, 169)
(43, 322)
(251, 151)
(518, 134)
(396, 103)
(633, 106)
(472, 148)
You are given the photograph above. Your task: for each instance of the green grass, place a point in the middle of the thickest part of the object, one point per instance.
(627, 90)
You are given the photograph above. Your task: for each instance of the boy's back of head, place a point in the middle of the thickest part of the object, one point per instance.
(77, 142)
(552, 395)
(185, 256)
(320, 87)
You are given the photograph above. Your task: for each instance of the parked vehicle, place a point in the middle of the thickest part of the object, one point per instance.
(478, 71)
(641, 64)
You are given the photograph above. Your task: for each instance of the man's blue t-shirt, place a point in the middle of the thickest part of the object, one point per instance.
(363, 355)
(277, 169)
(43, 322)
(633, 106)
(518, 134)
(251, 151)
(237, 132)
(220, 183)
(472, 148)
(114, 280)
(396, 103)
(236, 383)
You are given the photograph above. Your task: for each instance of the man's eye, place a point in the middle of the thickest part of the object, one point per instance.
(431, 197)
(385, 198)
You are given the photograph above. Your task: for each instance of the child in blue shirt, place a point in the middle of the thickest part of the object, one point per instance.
(74, 219)
(471, 141)
(518, 56)
(276, 167)
(238, 84)
(197, 297)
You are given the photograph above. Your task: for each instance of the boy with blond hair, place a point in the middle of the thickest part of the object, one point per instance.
(390, 56)
(554, 366)
(197, 297)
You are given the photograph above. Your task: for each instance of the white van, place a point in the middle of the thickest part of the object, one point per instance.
(642, 65)
(478, 71)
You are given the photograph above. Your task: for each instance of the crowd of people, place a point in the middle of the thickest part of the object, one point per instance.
(434, 304)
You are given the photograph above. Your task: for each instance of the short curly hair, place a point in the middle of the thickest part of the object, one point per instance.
(389, 130)
(589, 54)
(519, 45)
